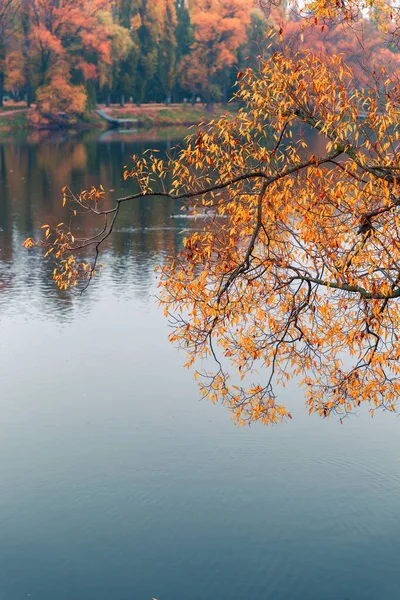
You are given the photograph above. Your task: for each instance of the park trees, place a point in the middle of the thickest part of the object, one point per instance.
(153, 51)
(298, 271)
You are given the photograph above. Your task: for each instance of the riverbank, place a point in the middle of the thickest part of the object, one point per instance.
(159, 115)
(18, 119)
(13, 121)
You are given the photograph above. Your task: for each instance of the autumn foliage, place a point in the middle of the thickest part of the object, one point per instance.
(220, 28)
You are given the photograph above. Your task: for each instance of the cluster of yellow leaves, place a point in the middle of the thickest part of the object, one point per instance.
(298, 271)
(351, 10)
(60, 242)
(299, 280)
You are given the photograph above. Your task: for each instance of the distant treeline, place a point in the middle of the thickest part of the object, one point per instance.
(68, 55)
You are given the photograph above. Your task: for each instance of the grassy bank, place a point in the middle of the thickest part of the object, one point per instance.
(20, 121)
(13, 123)
(159, 115)
(17, 119)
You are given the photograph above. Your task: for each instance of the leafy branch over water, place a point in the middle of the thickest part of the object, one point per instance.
(299, 267)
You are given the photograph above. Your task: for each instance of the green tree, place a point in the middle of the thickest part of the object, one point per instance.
(184, 40)
(8, 25)
(184, 30)
(167, 49)
(116, 73)
(147, 23)
(256, 40)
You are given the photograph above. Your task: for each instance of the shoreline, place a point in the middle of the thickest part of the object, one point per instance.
(148, 116)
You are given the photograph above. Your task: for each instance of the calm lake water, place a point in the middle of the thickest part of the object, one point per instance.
(116, 482)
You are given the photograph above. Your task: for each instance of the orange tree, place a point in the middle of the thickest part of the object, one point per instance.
(220, 28)
(63, 43)
(298, 271)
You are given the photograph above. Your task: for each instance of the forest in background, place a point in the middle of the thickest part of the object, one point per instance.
(69, 55)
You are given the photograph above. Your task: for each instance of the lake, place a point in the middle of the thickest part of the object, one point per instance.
(116, 481)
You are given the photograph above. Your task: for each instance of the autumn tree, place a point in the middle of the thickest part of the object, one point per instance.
(384, 13)
(219, 28)
(66, 40)
(361, 45)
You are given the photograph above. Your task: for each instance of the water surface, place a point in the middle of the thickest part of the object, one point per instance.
(116, 483)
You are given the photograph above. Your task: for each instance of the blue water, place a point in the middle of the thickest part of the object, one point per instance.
(116, 482)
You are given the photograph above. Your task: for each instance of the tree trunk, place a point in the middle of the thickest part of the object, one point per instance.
(122, 101)
(209, 102)
(108, 101)
(28, 93)
(225, 94)
(1, 88)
